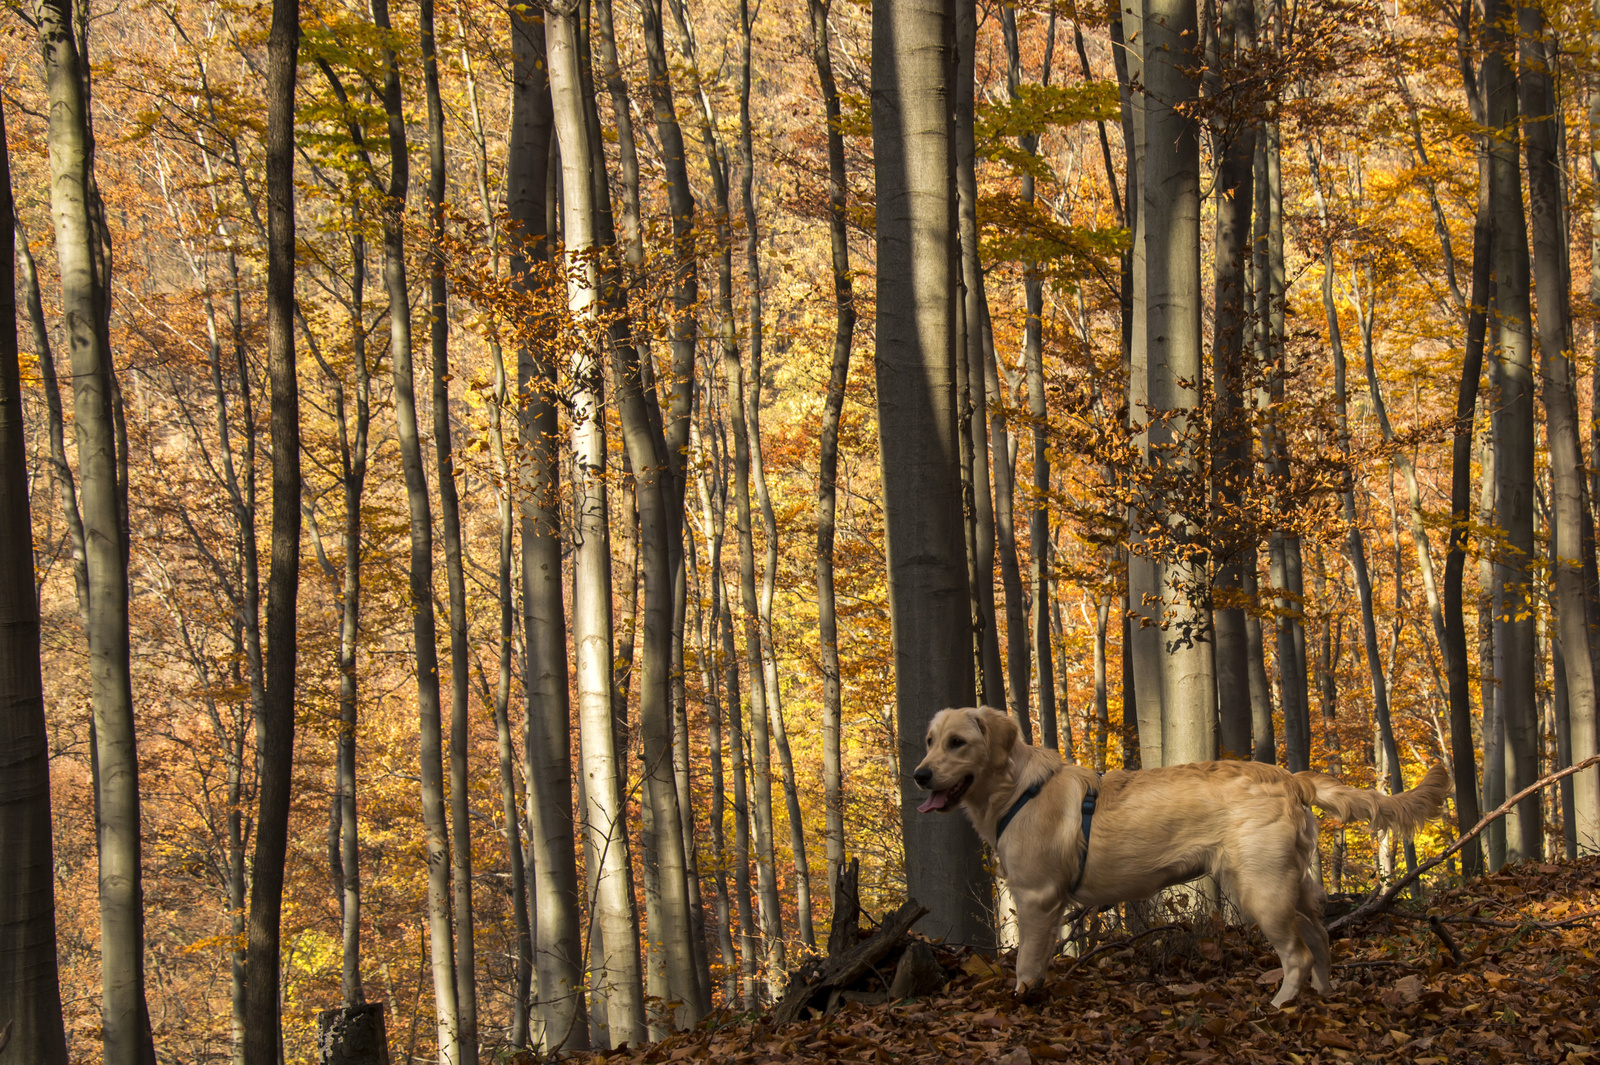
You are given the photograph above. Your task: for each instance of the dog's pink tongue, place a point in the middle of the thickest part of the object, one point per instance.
(935, 801)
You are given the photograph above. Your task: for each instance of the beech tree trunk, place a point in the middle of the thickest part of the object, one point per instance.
(1232, 465)
(619, 981)
(557, 899)
(1171, 217)
(917, 433)
(991, 675)
(436, 831)
(1548, 208)
(125, 1020)
(1514, 459)
(450, 526)
(828, 447)
(30, 988)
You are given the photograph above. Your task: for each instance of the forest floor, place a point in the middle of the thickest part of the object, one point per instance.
(1521, 984)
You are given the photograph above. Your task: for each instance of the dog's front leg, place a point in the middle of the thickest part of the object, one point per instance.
(1038, 922)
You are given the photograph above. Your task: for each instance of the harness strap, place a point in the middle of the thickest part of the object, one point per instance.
(1026, 797)
(1088, 820)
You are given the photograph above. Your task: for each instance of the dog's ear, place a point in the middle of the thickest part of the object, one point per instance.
(1001, 732)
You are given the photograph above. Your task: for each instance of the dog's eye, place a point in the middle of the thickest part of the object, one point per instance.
(956, 741)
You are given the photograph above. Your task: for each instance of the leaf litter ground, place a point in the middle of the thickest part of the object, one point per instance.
(1524, 989)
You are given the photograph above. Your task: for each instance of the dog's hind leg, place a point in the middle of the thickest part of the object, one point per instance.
(1309, 917)
(1269, 894)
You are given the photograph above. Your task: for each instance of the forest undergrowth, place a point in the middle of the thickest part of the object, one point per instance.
(1508, 976)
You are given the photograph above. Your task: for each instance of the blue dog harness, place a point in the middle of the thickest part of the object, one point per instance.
(1088, 821)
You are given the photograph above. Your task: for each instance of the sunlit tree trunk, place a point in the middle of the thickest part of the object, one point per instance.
(450, 526)
(828, 446)
(1171, 215)
(1142, 654)
(436, 832)
(769, 521)
(917, 433)
(1548, 210)
(620, 978)
(558, 902)
(124, 1018)
(30, 988)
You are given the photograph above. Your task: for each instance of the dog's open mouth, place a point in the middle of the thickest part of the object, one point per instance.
(945, 801)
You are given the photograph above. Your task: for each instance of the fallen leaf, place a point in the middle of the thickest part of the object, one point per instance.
(1333, 1039)
(1271, 976)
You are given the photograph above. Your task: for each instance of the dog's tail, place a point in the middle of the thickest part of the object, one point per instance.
(1403, 813)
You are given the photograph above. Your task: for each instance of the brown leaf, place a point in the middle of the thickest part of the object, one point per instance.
(1330, 1038)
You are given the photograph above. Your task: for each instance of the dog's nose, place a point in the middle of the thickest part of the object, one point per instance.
(923, 777)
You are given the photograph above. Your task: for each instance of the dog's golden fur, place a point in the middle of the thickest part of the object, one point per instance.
(1247, 824)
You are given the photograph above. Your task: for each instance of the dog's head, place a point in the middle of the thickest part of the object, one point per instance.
(965, 747)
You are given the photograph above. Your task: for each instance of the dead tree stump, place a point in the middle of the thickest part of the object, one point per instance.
(352, 1035)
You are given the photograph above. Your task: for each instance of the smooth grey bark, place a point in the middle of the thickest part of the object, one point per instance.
(749, 940)
(1284, 571)
(352, 477)
(1514, 459)
(916, 291)
(556, 897)
(500, 699)
(991, 675)
(125, 1020)
(450, 527)
(1231, 437)
(1263, 741)
(620, 978)
(30, 985)
(419, 508)
(709, 644)
(673, 971)
(1548, 210)
(771, 914)
(769, 521)
(828, 447)
(1171, 219)
(1143, 653)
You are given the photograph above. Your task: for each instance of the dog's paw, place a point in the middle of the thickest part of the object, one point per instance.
(1024, 994)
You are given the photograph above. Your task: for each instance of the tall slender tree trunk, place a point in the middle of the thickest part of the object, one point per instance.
(1232, 465)
(828, 448)
(1143, 653)
(353, 475)
(436, 832)
(450, 526)
(1548, 208)
(1284, 543)
(125, 1019)
(917, 433)
(1462, 749)
(30, 986)
(769, 521)
(1171, 216)
(500, 698)
(620, 979)
(557, 900)
(991, 676)
(1514, 458)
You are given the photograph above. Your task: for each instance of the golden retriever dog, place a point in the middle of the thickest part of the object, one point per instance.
(1247, 824)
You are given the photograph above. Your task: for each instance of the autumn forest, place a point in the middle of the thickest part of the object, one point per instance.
(494, 494)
